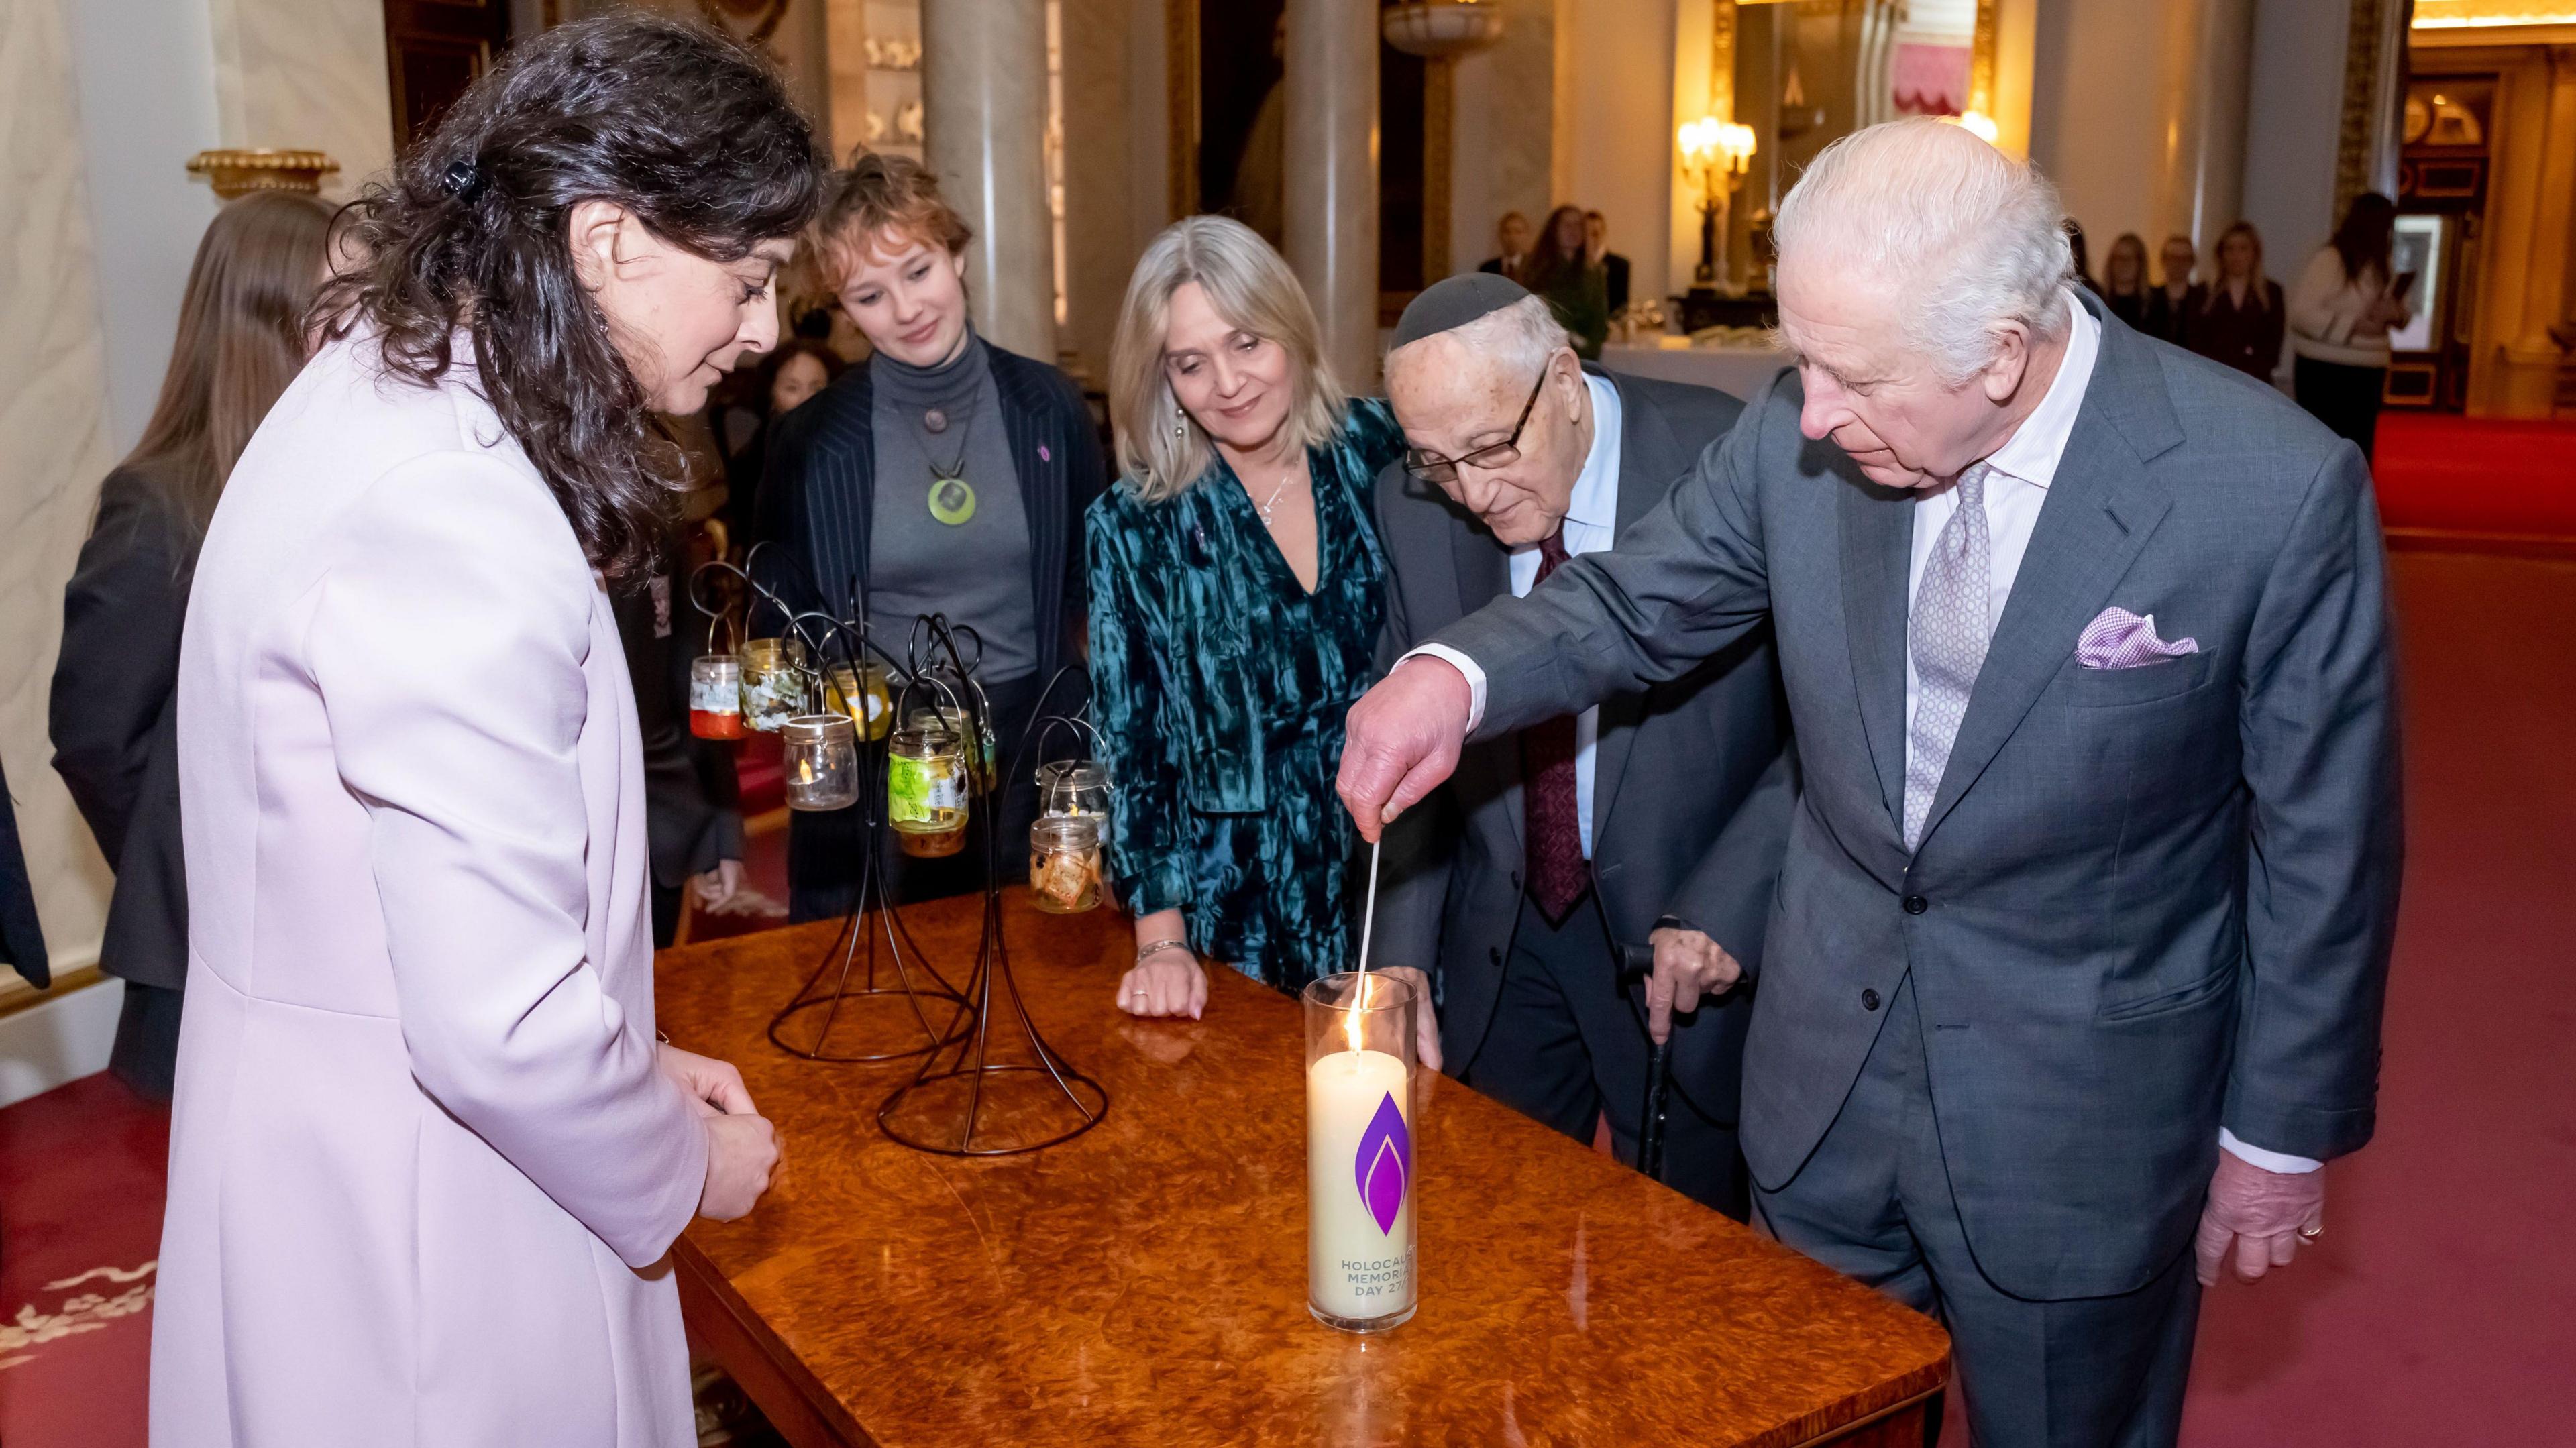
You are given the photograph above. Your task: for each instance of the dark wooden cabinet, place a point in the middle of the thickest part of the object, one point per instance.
(434, 49)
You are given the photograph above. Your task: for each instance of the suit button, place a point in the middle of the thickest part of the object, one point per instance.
(1916, 904)
(1494, 953)
(1516, 879)
(1869, 1000)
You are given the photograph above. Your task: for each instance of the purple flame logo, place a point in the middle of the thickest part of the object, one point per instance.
(1385, 1160)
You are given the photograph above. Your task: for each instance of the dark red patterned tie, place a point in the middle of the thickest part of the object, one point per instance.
(1551, 809)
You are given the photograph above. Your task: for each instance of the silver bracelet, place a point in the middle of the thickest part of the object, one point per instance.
(1159, 946)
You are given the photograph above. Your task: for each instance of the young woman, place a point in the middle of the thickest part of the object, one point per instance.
(2124, 280)
(2241, 316)
(115, 729)
(946, 476)
(2341, 314)
(1237, 588)
(426, 1156)
(746, 414)
(1576, 287)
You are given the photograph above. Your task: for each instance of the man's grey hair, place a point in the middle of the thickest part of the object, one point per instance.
(1965, 237)
(1519, 338)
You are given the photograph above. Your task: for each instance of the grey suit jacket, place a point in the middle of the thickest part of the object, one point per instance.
(1692, 785)
(2148, 902)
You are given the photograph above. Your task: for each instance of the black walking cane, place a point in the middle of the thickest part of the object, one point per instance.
(1639, 961)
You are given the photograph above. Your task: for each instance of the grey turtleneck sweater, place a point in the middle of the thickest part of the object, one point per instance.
(978, 572)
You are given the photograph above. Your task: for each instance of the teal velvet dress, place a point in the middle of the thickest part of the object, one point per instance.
(1221, 686)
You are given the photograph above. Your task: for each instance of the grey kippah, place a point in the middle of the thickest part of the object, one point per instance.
(1453, 302)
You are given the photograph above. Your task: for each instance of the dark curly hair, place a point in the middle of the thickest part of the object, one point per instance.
(681, 126)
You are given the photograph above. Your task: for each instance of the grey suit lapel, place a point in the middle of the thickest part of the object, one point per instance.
(2101, 509)
(1650, 458)
(1877, 526)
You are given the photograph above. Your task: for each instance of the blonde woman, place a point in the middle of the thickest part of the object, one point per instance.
(1237, 588)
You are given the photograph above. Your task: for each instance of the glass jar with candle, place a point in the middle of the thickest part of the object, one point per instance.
(715, 696)
(926, 790)
(860, 692)
(1361, 1189)
(980, 768)
(1064, 864)
(773, 687)
(819, 757)
(1070, 788)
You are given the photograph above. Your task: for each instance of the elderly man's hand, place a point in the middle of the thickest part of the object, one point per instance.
(1688, 965)
(2264, 1215)
(1402, 739)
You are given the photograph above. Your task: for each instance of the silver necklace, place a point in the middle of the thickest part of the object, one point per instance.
(1273, 501)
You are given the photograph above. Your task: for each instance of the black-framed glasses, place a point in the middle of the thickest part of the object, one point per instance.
(1445, 470)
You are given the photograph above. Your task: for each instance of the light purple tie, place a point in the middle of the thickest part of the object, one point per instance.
(1947, 637)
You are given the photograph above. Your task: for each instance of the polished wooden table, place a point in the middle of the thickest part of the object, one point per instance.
(1146, 1282)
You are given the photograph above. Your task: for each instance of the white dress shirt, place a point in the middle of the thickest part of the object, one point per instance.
(1591, 523)
(2016, 488)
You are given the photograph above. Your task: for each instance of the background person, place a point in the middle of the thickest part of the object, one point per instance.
(2011, 691)
(1658, 816)
(745, 415)
(1237, 589)
(1512, 254)
(2341, 313)
(2177, 297)
(426, 1157)
(1597, 252)
(2124, 280)
(1575, 287)
(114, 710)
(2241, 315)
(859, 493)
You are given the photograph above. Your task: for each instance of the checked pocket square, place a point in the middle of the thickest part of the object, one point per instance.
(2119, 639)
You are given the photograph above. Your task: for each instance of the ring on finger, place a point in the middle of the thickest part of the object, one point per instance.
(2310, 1234)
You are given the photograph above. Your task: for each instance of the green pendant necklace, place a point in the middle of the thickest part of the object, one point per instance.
(952, 498)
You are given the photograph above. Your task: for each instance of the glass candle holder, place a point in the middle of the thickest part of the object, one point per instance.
(773, 688)
(926, 791)
(715, 696)
(1360, 1185)
(1064, 864)
(861, 693)
(978, 742)
(819, 756)
(1070, 788)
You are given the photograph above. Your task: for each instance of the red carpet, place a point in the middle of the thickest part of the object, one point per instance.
(2440, 1308)
(2479, 477)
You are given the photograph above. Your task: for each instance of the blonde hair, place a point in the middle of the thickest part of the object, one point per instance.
(1161, 446)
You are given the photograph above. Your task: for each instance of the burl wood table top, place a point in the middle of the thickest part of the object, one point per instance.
(1146, 1283)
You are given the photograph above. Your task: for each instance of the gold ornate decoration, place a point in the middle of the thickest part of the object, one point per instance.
(2357, 129)
(1981, 63)
(1721, 59)
(238, 172)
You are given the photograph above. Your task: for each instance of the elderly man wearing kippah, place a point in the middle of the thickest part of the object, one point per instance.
(1659, 814)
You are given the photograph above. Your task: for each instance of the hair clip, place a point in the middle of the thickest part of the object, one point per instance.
(463, 178)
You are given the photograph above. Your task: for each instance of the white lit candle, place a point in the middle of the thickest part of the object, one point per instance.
(1359, 1186)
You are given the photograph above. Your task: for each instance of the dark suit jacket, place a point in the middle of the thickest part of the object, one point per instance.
(818, 493)
(1617, 267)
(113, 717)
(2147, 902)
(1691, 786)
(692, 814)
(22, 941)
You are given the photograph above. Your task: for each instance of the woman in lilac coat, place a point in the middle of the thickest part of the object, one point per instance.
(427, 1157)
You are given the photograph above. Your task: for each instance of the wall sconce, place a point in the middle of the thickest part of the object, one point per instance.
(1716, 154)
(1977, 124)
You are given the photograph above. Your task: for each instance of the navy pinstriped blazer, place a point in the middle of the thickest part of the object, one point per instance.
(818, 493)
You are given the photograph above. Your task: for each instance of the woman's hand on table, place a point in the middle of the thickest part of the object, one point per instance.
(1168, 982)
(742, 1147)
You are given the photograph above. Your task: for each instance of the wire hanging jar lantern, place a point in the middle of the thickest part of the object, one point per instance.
(1064, 864)
(819, 758)
(715, 696)
(926, 789)
(860, 692)
(773, 684)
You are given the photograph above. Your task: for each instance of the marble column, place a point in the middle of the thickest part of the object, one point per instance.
(1332, 140)
(2200, 190)
(984, 99)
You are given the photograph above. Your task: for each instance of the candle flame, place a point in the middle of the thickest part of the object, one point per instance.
(1351, 1017)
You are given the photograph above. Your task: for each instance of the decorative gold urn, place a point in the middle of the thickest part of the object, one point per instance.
(238, 172)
